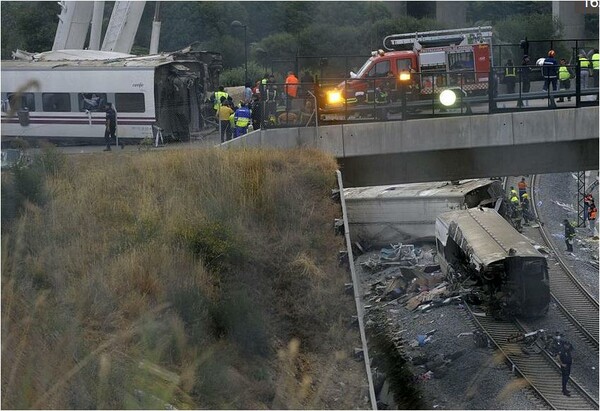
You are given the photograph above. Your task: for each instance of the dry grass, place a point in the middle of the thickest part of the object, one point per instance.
(205, 264)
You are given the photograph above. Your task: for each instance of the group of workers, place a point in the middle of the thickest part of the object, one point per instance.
(258, 106)
(557, 74)
(519, 206)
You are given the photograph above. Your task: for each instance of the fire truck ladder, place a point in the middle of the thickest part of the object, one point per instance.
(461, 37)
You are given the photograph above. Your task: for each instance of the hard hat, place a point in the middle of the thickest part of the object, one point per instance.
(525, 195)
(551, 53)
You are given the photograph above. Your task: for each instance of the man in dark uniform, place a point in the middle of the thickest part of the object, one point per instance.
(111, 126)
(569, 235)
(565, 359)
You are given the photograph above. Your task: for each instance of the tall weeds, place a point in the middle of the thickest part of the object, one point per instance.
(145, 279)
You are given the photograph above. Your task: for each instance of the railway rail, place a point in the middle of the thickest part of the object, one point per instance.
(576, 305)
(539, 369)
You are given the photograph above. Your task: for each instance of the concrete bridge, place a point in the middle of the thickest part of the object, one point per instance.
(435, 149)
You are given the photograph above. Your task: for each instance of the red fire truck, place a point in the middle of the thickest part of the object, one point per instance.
(429, 62)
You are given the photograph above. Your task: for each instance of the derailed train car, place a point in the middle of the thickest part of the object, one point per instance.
(381, 215)
(480, 245)
(62, 95)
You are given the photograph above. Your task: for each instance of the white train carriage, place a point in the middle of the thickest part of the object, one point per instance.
(407, 212)
(64, 99)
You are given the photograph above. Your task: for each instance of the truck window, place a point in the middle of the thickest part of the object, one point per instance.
(403, 65)
(461, 61)
(380, 69)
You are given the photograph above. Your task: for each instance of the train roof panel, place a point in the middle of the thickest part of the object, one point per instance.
(117, 60)
(485, 235)
(441, 189)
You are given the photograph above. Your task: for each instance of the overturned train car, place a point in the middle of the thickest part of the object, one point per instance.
(381, 215)
(481, 245)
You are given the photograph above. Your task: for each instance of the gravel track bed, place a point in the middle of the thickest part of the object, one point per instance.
(480, 378)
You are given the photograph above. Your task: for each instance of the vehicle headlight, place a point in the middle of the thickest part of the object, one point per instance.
(334, 96)
(447, 98)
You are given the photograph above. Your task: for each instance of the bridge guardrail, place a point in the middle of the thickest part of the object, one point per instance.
(386, 98)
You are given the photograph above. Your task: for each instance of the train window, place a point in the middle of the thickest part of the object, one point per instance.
(130, 102)
(19, 101)
(56, 102)
(91, 101)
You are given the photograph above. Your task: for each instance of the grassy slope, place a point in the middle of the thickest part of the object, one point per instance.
(205, 279)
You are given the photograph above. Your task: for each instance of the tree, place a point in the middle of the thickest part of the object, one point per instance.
(28, 26)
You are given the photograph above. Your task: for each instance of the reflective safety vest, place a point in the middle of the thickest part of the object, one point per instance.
(218, 95)
(584, 62)
(242, 117)
(563, 73)
(595, 61)
(593, 212)
(515, 200)
(510, 72)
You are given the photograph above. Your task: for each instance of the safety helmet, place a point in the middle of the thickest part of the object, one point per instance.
(525, 195)
(551, 53)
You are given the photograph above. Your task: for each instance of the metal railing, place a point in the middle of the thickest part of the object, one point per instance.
(502, 89)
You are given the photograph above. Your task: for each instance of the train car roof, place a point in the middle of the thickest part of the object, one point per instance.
(439, 189)
(484, 235)
(89, 59)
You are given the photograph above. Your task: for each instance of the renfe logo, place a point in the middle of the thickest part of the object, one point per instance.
(138, 85)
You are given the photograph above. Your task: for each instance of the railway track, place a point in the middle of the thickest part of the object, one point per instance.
(539, 369)
(576, 303)
(577, 307)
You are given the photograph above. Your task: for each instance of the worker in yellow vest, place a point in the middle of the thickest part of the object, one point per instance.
(217, 98)
(595, 67)
(564, 78)
(510, 77)
(585, 65)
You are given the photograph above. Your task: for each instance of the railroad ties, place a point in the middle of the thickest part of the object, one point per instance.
(538, 368)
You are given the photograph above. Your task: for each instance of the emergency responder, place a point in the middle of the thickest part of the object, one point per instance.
(569, 235)
(516, 212)
(522, 186)
(549, 71)
(595, 67)
(291, 89)
(224, 112)
(564, 77)
(525, 81)
(592, 213)
(242, 119)
(110, 126)
(585, 70)
(256, 112)
(526, 209)
(217, 98)
(513, 192)
(565, 359)
(510, 76)
(587, 200)
(269, 97)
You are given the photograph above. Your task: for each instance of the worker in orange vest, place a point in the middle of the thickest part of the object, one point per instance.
(291, 89)
(592, 213)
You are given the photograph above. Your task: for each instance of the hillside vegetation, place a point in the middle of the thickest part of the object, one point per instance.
(200, 279)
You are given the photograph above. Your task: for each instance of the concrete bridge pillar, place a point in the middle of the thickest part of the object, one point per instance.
(571, 15)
